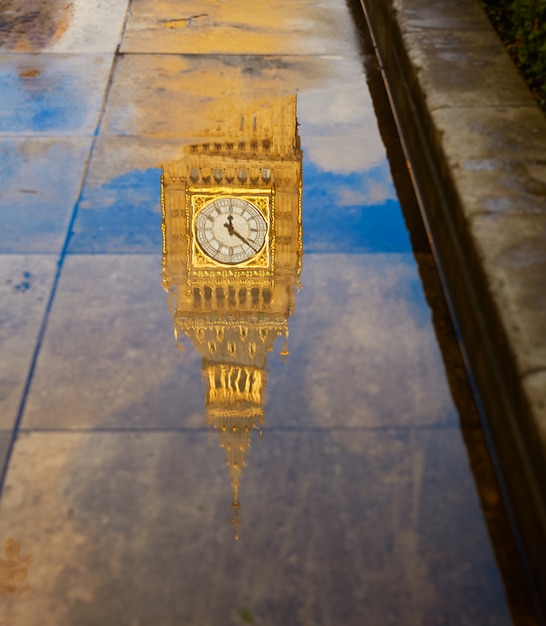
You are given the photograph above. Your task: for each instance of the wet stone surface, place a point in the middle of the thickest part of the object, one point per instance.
(40, 182)
(80, 26)
(441, 15)
(453, 65)
(330, 520)
(495, 159)
(28, 27)
(209, 27)
(305, 449)
(55, 95)
(24, 289)
(370, 325)
(516, 263)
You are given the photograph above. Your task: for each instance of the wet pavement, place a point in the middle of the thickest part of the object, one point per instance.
(305, 449)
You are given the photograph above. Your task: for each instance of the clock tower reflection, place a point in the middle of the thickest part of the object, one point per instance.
(232, 256)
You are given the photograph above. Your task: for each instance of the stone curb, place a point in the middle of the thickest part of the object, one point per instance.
(477, 146)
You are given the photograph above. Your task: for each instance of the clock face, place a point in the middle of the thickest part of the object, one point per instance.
(230, 230)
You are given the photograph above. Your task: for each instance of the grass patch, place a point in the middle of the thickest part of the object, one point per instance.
(245, 615)
(521, 24)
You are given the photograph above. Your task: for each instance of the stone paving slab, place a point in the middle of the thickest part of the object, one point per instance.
(40, 181)
(460, 69)
(79, 26)
(494, 159)
(207, 93)
(478, 147)
(53, 94)
(512, 254)
(440, 15)
(211, 27)
(200, 83)
(24, 292)
(129, 528)
(381, 324)
(358, 318)
(125, 370)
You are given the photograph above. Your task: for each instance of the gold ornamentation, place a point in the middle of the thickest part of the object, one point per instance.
(284, 240)
(201, 325)
(234, 384)
(200, 334)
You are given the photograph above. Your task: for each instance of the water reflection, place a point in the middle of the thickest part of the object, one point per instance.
(232, 257)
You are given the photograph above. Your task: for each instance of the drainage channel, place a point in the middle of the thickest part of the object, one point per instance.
(306, 448)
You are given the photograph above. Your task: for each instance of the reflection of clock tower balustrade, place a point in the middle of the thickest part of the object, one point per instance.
(243, 299)
(232, 249)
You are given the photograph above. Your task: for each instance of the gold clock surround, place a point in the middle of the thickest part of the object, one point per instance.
(198, 199)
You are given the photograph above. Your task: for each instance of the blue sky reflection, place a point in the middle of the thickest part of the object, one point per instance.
(352, 212)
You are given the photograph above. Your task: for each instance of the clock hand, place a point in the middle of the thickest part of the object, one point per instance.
(229, 225)
(234, 232)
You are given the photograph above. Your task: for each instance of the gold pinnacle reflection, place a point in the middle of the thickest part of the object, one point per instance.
(232, 254)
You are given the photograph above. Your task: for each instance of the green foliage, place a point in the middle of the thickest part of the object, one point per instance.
(521, 25)
(245, 614)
